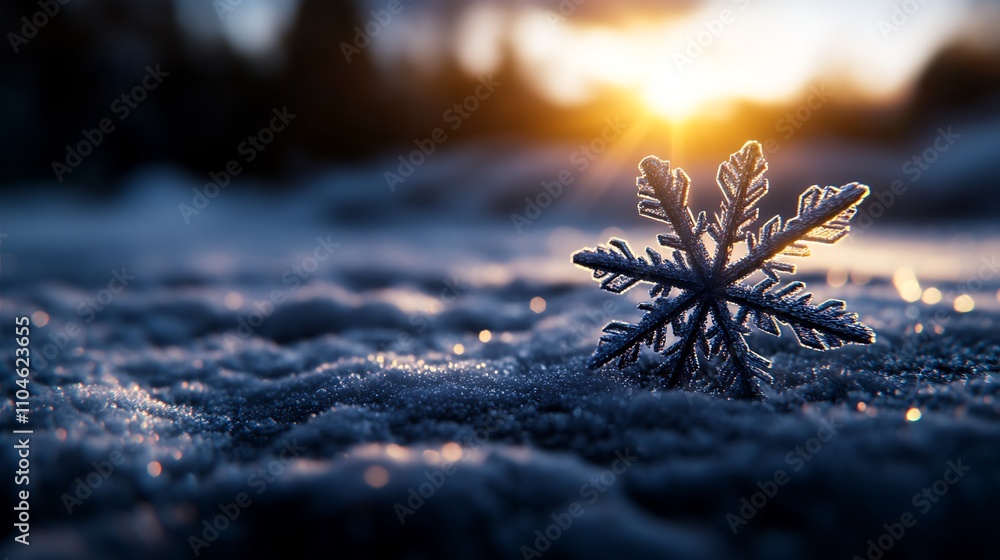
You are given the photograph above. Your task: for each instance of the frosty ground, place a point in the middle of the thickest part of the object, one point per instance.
(364, 415)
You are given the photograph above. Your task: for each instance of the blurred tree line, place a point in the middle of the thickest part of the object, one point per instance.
(65, 78)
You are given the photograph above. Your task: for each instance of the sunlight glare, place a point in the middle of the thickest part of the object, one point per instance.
(702, 61)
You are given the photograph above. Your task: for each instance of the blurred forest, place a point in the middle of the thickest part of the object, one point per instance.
(228, 70)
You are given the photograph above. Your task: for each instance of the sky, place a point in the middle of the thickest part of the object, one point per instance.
(679, 60)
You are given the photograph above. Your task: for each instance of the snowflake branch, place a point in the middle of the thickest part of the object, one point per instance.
(744, 370)
(663, 196)
(828, 325)
(823, 217)
(624, 340)
(620, 270)
(682, 360)
(742, 183)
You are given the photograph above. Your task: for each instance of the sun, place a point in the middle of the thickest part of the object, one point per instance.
(677, 102)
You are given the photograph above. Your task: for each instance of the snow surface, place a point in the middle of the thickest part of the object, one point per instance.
(358, 369)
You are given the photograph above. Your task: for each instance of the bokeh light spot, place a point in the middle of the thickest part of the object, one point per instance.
(40, 318)
(907, 285)
(376, 476)
(451, 451)
(964, 303)
(836, 277)
(931, 296)
(233, 301)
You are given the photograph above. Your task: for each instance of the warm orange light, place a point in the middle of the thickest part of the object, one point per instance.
(907, 284)
(931, 296)
(686, 64)
(836, 277)
(376, 476)
(964, 303)
(451, 451)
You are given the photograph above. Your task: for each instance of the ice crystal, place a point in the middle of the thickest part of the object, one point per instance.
(703, 298)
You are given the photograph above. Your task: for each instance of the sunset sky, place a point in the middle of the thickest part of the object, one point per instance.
(679, 60)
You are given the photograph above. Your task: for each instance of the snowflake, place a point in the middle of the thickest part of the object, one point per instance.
(711, 287)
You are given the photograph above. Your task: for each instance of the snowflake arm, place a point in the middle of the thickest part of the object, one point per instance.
(827, 325)
(823, 217)
(622, 340)
(663, 196)
(618, 269)
(681, 362)
(742, 182)
(743, 371)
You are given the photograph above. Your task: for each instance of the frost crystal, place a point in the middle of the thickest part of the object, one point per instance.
(712, 306)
